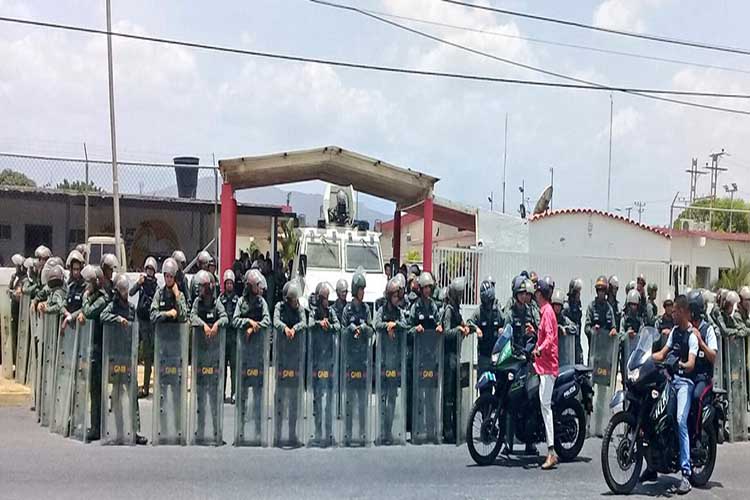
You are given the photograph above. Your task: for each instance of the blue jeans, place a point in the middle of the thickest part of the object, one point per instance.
(684, 389)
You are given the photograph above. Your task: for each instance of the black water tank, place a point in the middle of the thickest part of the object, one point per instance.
(187, 176)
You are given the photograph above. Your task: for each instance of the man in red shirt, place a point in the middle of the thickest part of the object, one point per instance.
(546, 362)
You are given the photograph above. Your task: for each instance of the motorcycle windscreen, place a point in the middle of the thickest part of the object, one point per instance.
(390, 388)
(252, 382)
(6, 335)
(22, 348)
(427, 396)
(64, 378)
(288, 390)
(51, 335)
(119, 383)
(321, 402)
(736, 389)
(170, 387)
(465, 383)
(604, 362)
(356, 383)
(566, 349)
(207, 387)
(628, 345)
(80, 417)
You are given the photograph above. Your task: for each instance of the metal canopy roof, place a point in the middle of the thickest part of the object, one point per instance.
(330, 164)
(447, 212)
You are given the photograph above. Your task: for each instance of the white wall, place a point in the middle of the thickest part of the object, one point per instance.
(713, 254)
(496, 231)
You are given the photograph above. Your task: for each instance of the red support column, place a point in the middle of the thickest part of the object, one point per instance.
(427, 241)
(228, 227)
(397, 237)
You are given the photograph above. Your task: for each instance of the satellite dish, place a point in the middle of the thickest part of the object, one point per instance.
(543, 204)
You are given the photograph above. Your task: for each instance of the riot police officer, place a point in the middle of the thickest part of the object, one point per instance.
(75, 288)
(95, 300)
(614, 287)
(519, 315)
(229, 300)
(146, 287)
(323, 330)
(742, 314)
(342, 290)
(665, 322)
(600, 318)
(565, 328)
(14, 294)
(631, 324)
(182, 282)
(574, 312)
(652, 310)
(487, 322)
(204, 259)
(454, 327)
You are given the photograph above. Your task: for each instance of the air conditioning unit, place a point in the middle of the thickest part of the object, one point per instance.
(693, 225)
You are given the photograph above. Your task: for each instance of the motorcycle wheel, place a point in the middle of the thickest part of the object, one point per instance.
(483, 433)
(618, 433)
(701, 475)
(569, 417)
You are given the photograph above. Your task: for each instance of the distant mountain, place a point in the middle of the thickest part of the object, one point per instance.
(307, 204)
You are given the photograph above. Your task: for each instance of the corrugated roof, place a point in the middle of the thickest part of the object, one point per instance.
(601, 213)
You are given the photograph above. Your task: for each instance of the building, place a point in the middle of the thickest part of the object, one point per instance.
(700, 257)
(150, 225)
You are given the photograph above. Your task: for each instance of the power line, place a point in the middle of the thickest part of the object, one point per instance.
(391, 69)
(575, 24)
(557, 43)
(516, 63)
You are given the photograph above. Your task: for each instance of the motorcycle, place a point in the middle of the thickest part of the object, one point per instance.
(510, 389)
(646, 428)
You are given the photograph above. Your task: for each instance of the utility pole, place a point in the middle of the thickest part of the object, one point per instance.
(694, 174)
(609, 169)
(113, 137)
(731, 192)
(505, 158)
(714, 169)
(552, 184)
(640, 206)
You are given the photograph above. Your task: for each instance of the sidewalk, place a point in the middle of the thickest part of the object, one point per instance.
(13, 394)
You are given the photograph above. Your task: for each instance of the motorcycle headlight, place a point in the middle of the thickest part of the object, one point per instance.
(495, 357)
(634, 374)
(511, 376)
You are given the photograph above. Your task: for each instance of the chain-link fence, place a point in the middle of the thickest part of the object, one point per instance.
(60, 202)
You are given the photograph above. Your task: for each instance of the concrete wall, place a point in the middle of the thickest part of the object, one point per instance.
(412, 238)
(695, 251)
(502, 232)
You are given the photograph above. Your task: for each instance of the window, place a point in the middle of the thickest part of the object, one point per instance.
(5, 233)
(702, 277)
(363, 254)
(324, 255)
(97, 250)
(76, 236)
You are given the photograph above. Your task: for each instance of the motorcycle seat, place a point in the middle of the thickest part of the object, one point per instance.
(566, 375)
(720, 392)
(583, 369)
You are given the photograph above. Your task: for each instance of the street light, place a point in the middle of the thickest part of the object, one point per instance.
(731, 192)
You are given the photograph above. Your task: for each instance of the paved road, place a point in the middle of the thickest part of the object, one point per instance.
(36, 464)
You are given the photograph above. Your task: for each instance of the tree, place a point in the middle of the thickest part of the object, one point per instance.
(289, 239)
(413, 256)
(10, 177)
(78, 186)
(736, 277)
(719, 220)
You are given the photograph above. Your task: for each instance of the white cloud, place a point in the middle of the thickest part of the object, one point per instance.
(623, 14)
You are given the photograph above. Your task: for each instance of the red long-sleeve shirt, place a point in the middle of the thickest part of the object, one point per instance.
(547, 363)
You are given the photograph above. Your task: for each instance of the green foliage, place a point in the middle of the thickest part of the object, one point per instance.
(289, 240)
(78, 186)
(251, 248)
(413, 256)
(10, 177)
(719, 220)
(736, 277)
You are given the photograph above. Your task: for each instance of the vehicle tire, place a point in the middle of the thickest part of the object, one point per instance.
(570, 412)
(487, 433)
(708, 441)
(627, 486)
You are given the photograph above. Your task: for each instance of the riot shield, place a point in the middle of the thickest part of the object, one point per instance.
(322, 387)
(719, 363)
(6, 335)
(37, 360)
(207, 387)
(390, 388)
(64, 378)
(22, 348)
(736, 375)
(289, 363)
(356, 380)
(170, 387)
(51, 334)
(566, 348)
(119, 383)
(466, 381)
(80, 417)
(427, 395)
(604, 363)
(251, 403)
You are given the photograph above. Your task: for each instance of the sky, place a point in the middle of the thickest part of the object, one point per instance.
(174, 101)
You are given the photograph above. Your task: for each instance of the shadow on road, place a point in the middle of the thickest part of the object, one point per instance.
(528, 462)
(665, 487)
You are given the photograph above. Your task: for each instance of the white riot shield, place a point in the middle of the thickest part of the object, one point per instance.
(119, 384)
(604, 361)
(80, 418)
(207, 387)
(37, 360)
(322, 387)
(466, 381)
(736, 376)
(65, 378)
(170, 387)
(51, 334)
(6, 335)
(289, 388)
(252, 382)
(566, 348)
(356, 384)
(427, 395)
(390, 388)
(22, 348)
